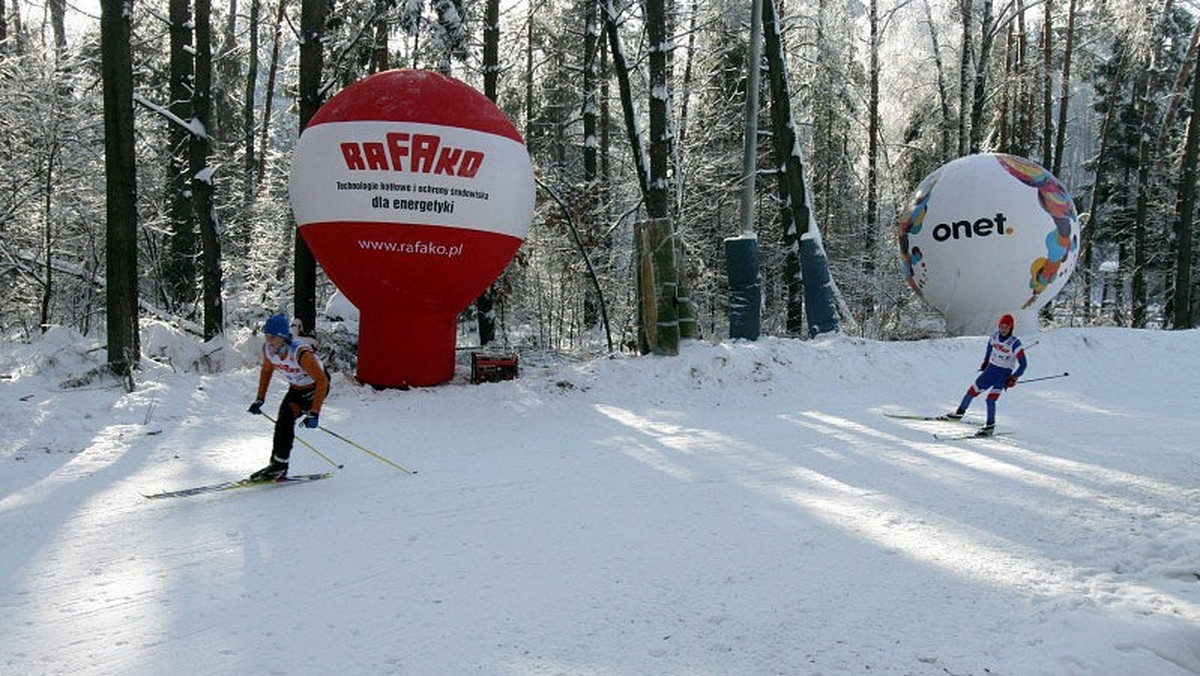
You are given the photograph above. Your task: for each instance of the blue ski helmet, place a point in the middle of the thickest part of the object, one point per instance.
(277, 325)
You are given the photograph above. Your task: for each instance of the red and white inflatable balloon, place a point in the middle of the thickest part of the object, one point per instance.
(413, 192)
(987, 235)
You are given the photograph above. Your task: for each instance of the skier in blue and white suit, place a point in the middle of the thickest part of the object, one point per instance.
(1004, 352)
(308, 384)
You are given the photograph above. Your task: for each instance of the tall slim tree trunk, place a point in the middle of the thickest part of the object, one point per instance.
(485, 304)
(621, 71)
(250, 162)
(591, 166)
(872, 215)
(979, 95)
(1099, 194)
(202, 174)
(1064, 96)
(48, 183)
(121, 269)
(227, 64)
(1047, 86)
(661, 230)
(945, 124)
(269, 91)
(179, 256)
(312, 56)
(1181, 294)
(1023, 132)
(16, 31)
(1146, 157)
(807, 267)
(380, 57)
(1007, 119)
(966, 58)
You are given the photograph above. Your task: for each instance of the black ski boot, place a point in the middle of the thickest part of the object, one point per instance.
(987, 430)
(272, 472)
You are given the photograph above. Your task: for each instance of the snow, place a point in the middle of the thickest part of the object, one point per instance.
(743, 508)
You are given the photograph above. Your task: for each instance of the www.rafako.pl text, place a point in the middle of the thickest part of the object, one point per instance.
(417, 248)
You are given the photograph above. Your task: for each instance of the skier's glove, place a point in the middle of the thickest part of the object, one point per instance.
(983, 366)
(311, 420)
(1011, 382)
(256, 407)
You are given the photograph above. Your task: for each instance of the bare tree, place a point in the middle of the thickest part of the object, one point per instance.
(1064, 96)
(116, 59)
(202, 174)
(807, 268)
(312, 32)
(178, 267)
(979, 94)
(1181, 299)
(249, 161)
(269, 90)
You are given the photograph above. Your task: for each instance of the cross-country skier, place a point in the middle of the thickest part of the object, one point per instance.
(1004, 351)
(307, 386)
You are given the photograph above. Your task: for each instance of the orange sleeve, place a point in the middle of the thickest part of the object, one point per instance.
(308, 362)
(264, 377)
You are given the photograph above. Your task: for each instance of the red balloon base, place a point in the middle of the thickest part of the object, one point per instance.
(405, 350)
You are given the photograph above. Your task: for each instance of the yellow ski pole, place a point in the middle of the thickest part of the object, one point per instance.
(309, 446)
(366, 450)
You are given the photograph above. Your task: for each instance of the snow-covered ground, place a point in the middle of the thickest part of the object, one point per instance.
(742, 509)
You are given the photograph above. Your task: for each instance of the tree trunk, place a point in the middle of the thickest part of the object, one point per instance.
(806, 266)
(485, 304)
(202, 174)
(621, 70)
(964, 75)
(1099, 196)
(659, 286)
(225, 124)
(269, 92)
(1064, 97)
(58, 27)
(1181, 294)
(872, 215)
(52, 152)
(491, 49)
(943, 97)
(1047, 87)
(250, 162)
(380, 58)
(312, 37)
(121, 273)
(593, 308)
(663, 243)
(979, 96)
(179, 256)
(591, 53)
(1146, 156)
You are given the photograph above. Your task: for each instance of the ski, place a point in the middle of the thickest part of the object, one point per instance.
(972, 435)
(933, 418)
(233, 485)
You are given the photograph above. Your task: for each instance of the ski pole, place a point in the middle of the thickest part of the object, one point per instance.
(1064, 374)
(366, 450)
(309, 446)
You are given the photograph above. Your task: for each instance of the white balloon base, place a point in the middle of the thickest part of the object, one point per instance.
(985, 322)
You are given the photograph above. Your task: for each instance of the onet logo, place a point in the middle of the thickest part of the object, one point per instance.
(983, 227)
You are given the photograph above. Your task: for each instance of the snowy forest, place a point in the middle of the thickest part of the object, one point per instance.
(145, 148)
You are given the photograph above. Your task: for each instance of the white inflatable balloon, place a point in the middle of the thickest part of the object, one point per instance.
(987, 235)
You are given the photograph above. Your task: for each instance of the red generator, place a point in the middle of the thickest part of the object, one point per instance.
(491, 368)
